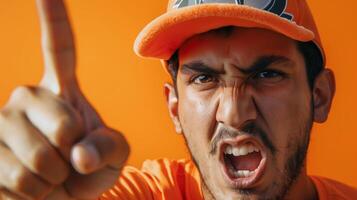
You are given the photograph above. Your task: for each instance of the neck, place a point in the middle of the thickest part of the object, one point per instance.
(302, 188)
(207, 195)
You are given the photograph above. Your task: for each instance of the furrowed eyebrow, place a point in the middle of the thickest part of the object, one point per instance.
(198, 67)
(264, 62)
(260, 64)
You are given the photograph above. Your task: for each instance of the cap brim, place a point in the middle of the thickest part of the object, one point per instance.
(165, 34)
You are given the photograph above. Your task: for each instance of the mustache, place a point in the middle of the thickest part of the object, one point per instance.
(249, 128)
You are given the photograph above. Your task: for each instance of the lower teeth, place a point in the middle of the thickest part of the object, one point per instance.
(241, 173)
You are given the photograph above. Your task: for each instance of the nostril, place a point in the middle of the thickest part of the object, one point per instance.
(236, 111)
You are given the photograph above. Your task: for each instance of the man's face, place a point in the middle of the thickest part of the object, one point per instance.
(244, 105)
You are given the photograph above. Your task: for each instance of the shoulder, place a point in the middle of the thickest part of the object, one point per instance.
(172, 173)
(331, 189)
(167, 166)
(173, 179)
(157, 179)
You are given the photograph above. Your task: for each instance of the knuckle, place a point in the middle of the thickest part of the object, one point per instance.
(67, 128)
(39, 157)
(22, 92)
(8, 195)
(62, 126)
(22, 182)
(49, 166)
(8, 118)
(2, 119)
(20, 178)
(65, 122)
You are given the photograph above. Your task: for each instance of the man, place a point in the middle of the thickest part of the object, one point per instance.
(248, 83)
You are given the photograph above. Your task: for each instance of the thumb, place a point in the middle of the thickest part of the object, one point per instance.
(57, 46)
(101, 148)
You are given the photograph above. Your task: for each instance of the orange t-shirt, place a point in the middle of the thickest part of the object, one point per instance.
(180, 180)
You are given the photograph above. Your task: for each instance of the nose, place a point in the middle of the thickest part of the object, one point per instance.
(236, 106)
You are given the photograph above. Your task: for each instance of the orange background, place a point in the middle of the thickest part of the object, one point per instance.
(127, 91)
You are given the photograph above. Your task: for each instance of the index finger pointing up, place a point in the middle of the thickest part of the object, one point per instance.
(57, 46)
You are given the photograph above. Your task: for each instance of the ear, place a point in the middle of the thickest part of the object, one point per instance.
(323, 93)
(172, 104)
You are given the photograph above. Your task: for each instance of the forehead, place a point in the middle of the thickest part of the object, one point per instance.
(240, 45)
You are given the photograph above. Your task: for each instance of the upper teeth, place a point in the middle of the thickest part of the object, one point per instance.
(241, 150)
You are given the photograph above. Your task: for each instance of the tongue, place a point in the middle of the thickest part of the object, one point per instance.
(248, 162)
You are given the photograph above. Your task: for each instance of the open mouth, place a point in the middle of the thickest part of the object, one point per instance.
(243, 162)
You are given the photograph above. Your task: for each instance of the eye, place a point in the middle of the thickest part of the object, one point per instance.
(268, 75)
(202, 78)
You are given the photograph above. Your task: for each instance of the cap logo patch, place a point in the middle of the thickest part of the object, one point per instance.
(277, 7)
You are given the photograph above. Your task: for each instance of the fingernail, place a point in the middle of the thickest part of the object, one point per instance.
(85, 158)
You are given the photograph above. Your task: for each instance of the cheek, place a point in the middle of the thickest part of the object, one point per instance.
(285, 111)
(197, 112)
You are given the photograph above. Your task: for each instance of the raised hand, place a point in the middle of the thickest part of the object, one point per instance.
(53, 144)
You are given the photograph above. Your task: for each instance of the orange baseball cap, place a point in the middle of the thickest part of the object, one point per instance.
(186, 18)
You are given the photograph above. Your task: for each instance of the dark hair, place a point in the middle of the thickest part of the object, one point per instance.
(310, 52)
(313, 60)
